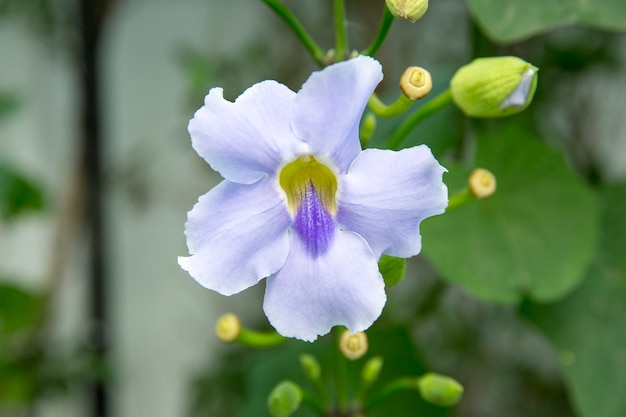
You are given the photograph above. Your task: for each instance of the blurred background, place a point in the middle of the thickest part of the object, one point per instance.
(97, 175)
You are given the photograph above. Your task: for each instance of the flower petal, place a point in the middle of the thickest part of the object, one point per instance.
(237, 235)
(329, 106)
(249, 138)
(386, 195)
(308, 296)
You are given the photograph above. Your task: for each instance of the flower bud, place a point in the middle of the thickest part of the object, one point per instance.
(494, 87)
(228, 327)
(482, 183)
(311, 366)
(284, 399)
(353, 346)
(440, 390)
(407, 9)
(416, 83)
(372, 369)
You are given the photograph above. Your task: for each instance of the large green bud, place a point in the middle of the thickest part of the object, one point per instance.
(284, 399)
(494, 87)
(440, 390)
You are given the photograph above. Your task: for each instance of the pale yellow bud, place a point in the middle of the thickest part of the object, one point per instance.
(227, 327)
(410, 10)
(482, 183)
(416, 83)
(353, 346)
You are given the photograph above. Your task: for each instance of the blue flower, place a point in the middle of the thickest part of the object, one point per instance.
(302, 204)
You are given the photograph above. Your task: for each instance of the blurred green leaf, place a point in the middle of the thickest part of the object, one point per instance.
(509, 21)
(534, 237)
(9, 103)
(17, 194)
(392, 269)
(19, 308)
(588, 328)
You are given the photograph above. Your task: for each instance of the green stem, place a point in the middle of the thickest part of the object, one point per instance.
(260, 339)
(385, 25)
(459, 200)
(298, 29)
(433, 106)
(401, 105)
(391, 388)
(341, 35)
(341, 375)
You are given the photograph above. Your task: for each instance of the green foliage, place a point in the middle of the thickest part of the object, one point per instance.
(18, 195)
(392, 269)
(20, 311)
(19, 308)
(9, 103)
(508, 21)
(587, 328)
(534, 237)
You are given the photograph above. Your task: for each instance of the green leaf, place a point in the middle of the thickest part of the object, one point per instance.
(587, 328)
(534, 237)
(9, 103)
(509, 21)
(17, 194)
(19, 308)
(392, 269)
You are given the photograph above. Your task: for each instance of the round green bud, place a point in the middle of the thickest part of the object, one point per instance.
(440, 390)
(311, 366)
(410, 10)
(494, 87)
(284, 399)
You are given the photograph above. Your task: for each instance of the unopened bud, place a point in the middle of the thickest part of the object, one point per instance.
(284, 399)
(311, 366)
(482, 183)
(372, 369)
(227, 327)
(494, 87)
(353, 346)
(410, 10)
(416, 83)
(440, 390)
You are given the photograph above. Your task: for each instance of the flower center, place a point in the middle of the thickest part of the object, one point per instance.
(311, 187)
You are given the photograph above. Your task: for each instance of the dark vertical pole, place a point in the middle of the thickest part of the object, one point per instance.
(90, 24)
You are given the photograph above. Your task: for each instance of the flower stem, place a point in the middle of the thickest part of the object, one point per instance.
(391, 388)
(260, 339)
(341, 376)
(460, 199)
(341, 35)
(298, 29)
(385, 25)
(433, 106)
(401, 105)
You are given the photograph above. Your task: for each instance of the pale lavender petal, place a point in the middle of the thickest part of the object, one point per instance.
(313, 223)
(386, 194)
(237, 235)
(308, 296)
(250, 138)
(329, 107)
